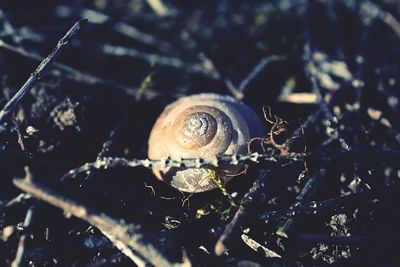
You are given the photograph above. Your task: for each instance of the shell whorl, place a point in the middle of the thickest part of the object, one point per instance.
(196, 130)
(200, 126)
(201, 130)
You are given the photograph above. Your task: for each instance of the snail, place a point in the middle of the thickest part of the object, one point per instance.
(201, 126)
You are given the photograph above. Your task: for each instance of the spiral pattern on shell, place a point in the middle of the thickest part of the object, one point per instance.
(201, 126)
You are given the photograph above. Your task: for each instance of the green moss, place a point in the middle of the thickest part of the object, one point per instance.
(221, 206)
(145, 85)
(216, 206)
(221, 185)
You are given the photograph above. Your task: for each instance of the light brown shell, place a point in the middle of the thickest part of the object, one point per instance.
(201, 126)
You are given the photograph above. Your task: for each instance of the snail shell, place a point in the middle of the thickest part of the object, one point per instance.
(201, 126)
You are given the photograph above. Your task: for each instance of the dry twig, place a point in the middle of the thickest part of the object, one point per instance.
(241, 214)
(40, 71)
(129, 234)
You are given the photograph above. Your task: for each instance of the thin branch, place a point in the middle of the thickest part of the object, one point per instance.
(256, 71)
(238, 91)
(125, 249)
(110, 162)
(18, 120)
(107, 145)
(317, 207)
(392, 22)
(254, 245)
(167, 61)
(241, 214)
(21, 243)
(83, 77)
(374, 10)
(18, 199)
(123, 28)
(40, 71)
(8, 29)
(325, 108)
(158, 7)
(306, 194)
(129, 234)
